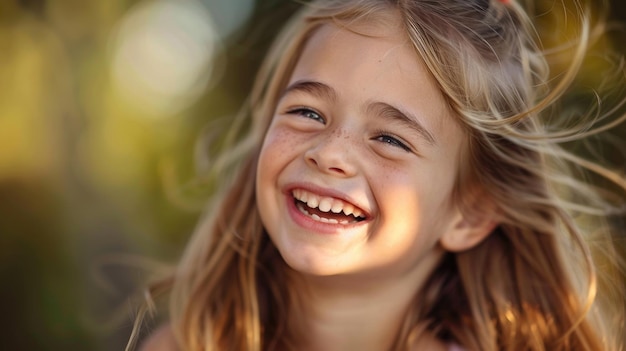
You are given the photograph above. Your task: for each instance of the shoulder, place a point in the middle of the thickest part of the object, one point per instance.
(455, 347)
(161, 339)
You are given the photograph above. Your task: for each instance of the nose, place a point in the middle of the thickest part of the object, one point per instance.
(332, 154)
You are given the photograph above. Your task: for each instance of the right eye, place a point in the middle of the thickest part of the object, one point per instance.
(307, 113)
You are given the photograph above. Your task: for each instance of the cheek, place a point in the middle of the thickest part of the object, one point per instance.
(277, 151)
(415, 200)
(277, 144)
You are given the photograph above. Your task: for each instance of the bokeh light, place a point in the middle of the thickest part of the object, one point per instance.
(163, 54)
(229, 16)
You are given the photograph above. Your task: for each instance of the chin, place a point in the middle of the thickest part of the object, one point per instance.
(314, 264)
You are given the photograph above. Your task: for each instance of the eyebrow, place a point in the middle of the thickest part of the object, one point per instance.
(318, 89)
(387, 111)
(405, 118)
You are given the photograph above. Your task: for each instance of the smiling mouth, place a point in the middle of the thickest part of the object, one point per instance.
(326, 209)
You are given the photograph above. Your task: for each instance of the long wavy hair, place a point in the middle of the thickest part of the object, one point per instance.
(532, 284)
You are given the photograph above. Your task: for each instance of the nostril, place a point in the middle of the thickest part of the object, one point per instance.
(312, 160)
(328, 160)
(338, 170)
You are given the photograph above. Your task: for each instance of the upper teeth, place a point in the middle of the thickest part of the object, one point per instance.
(326, 204)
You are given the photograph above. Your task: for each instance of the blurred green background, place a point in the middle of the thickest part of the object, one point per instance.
(102, 104)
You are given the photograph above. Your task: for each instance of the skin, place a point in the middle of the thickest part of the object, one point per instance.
(162, 339)
(332, 135)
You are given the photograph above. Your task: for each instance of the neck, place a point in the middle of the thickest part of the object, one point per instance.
(345, 314)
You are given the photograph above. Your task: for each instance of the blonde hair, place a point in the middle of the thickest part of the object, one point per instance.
(519, 289)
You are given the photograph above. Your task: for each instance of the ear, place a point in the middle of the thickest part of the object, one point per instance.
(467, 230)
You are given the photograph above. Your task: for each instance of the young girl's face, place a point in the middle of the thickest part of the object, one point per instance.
(357, 168)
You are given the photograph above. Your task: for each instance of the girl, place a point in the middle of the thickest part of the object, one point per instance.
(402, 189)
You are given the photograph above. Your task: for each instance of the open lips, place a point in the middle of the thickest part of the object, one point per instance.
(326, 209)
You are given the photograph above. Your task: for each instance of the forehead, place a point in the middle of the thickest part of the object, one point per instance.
(361, 43)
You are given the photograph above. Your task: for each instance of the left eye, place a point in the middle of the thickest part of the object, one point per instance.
(388, 139)
(308, 113)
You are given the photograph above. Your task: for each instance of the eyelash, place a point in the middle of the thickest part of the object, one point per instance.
(381, 135)
(389, 138)
(306, 112)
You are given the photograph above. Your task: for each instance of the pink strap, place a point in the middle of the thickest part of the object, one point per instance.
(455, 347)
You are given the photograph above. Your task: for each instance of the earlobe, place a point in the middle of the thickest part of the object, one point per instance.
(466, 232)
